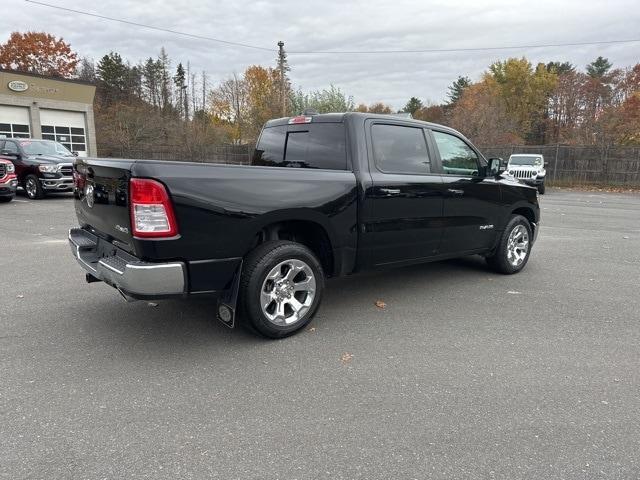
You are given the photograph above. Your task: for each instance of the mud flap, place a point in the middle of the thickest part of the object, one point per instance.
(227, 302)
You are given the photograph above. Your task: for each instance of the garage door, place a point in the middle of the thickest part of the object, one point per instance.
(14, 122)
(68, 128)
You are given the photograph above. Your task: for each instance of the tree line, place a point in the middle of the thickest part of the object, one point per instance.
(517, 102)
(162, 102)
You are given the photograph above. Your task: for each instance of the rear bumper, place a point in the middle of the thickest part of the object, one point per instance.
(130, 275)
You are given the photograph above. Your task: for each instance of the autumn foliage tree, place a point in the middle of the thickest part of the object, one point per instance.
(482, 114)
(38, 52)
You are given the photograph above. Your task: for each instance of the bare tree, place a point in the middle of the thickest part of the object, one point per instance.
(229, 103)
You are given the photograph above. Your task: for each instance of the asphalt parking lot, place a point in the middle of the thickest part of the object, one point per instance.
(465, 373)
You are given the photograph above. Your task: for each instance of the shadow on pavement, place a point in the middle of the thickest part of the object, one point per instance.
(183, 324)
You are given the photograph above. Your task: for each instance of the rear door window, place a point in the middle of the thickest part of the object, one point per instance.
(400, 149)
(319, 145)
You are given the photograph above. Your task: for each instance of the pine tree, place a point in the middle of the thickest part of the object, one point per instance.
(457, 88)
(180, 83)
(414, 104)
(112, 74)
(599, 67)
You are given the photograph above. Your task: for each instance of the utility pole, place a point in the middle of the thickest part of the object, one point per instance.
(281, 65)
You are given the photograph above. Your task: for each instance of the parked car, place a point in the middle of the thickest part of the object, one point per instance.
(528, 168)
(326, 195)
(42, 166)
(8, 181)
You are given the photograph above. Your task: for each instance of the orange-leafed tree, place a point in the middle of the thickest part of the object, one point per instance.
(38, 52)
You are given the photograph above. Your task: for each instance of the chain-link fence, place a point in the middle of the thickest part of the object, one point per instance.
(567, 164)
(581, 164)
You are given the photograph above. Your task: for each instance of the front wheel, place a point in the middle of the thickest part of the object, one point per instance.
(6, 199)
(541, 189)
(513, 250)
(281, 288)
(33, 187)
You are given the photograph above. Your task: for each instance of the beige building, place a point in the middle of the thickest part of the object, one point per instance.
(36, 106)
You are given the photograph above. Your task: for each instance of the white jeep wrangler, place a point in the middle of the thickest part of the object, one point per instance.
(528, 167)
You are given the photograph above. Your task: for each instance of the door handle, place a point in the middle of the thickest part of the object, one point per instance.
(455, 192)
(390, 191)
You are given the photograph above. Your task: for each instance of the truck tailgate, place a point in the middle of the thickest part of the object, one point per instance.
(102, 197)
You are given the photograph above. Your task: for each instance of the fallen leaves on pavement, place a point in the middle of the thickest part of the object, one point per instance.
(381, 304)
(346, 358)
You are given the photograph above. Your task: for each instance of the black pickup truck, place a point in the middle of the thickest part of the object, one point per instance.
(326, 195)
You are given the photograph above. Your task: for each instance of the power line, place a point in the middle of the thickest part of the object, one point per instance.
(151, 27)
(449, 50)
(333, 52)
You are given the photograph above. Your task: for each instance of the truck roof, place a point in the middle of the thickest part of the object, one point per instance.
(340, 117)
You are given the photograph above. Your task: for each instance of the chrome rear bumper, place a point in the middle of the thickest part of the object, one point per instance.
(130, 275)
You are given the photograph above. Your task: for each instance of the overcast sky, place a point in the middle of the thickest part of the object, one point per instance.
(344, 25)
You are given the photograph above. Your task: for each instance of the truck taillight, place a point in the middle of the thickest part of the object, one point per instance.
(152, 213)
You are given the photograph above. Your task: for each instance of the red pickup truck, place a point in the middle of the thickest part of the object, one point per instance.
(8, 180)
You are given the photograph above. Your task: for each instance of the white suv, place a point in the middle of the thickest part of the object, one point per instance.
(528, 167)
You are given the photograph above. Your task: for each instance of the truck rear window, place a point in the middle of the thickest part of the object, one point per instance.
(319, 145)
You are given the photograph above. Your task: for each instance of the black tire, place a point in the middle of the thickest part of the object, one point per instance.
(257, 265)
(541, 189)
(6, 199)
(35, 193)
(499, 260)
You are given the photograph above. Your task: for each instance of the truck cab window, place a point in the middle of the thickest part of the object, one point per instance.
(320, 145)
(399, 149)
(456, 156)
(10, 147)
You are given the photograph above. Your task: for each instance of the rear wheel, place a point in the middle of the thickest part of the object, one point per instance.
(281, 288)
(33, 187)
(514, 247)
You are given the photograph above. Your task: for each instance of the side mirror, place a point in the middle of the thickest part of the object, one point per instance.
(497, 166)
(75, 153)
(546, 162)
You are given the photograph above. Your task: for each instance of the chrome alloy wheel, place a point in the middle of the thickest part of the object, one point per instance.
(518, 245)
(31, 188)
(287, 292)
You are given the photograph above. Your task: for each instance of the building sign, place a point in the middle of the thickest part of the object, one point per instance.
(18, 86)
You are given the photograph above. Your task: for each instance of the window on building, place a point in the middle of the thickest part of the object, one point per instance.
(14, 130)
(319, 145)
(400, 149)
(73, 138)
